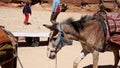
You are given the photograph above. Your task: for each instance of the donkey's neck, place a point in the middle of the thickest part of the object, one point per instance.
(71, 32)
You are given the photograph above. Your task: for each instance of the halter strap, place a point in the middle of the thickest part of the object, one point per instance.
(62, 33)
(61, 41)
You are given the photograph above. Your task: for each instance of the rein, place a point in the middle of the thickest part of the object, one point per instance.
(61, 41)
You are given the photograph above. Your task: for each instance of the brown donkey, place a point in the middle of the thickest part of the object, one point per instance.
(89, 31)
(8, 57)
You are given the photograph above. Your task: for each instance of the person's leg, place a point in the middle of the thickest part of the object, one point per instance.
(26, 18)
(53, 17)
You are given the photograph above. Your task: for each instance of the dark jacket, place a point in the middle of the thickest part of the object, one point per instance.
(27, 8)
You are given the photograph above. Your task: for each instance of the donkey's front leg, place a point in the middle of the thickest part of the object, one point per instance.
(95, 59)
(79, 58)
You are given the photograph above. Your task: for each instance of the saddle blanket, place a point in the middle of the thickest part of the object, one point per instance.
(114, 23)
(114, 27)
(115, 39)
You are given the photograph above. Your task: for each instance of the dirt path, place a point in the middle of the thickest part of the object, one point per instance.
(36, 57)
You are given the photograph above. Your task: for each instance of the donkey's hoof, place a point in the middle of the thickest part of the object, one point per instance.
(75, 65)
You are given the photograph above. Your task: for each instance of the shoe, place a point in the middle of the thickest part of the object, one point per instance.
(27, 23)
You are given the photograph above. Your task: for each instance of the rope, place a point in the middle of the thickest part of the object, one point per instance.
(20, 62)
(17, 56)
(56, 61)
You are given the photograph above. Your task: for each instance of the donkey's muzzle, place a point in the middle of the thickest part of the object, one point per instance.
(52, 55)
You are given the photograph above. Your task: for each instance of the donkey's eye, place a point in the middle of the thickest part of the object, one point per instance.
(52, 51)
(54, 39)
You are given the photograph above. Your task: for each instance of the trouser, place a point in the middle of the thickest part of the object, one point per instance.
(26, 18)
(53, 17)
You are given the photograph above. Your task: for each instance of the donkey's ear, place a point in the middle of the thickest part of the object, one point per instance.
(48, 26)
(51, 27)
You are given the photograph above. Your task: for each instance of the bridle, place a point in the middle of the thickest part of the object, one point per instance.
(61, 41)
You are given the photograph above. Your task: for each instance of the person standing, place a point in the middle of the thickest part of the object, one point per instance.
(27, 12)
(55, 11)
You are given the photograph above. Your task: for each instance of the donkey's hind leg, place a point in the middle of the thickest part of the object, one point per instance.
(116, 58)
(79, 58)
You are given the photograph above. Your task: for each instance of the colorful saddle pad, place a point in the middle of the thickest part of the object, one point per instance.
(114, 23)
(114, 28)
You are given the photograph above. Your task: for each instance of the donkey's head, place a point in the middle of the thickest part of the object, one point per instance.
(63, 33)
(56, 40)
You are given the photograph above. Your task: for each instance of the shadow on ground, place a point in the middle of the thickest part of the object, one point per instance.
(101, 66)
(24, 44)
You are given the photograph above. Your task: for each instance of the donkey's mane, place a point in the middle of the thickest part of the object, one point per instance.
(79, 24)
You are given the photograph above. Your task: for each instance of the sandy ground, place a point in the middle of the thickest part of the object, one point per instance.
(36, 57)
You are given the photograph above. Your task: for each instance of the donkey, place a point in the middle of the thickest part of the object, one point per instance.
(89, 31)
(8, 48)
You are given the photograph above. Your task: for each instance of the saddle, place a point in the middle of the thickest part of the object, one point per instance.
(3, 37)
(113, 31)
(6, 47)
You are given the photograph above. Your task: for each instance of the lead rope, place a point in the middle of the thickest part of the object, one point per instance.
(56, 61)
(61, 41)
(18, 57)
(57, 47)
